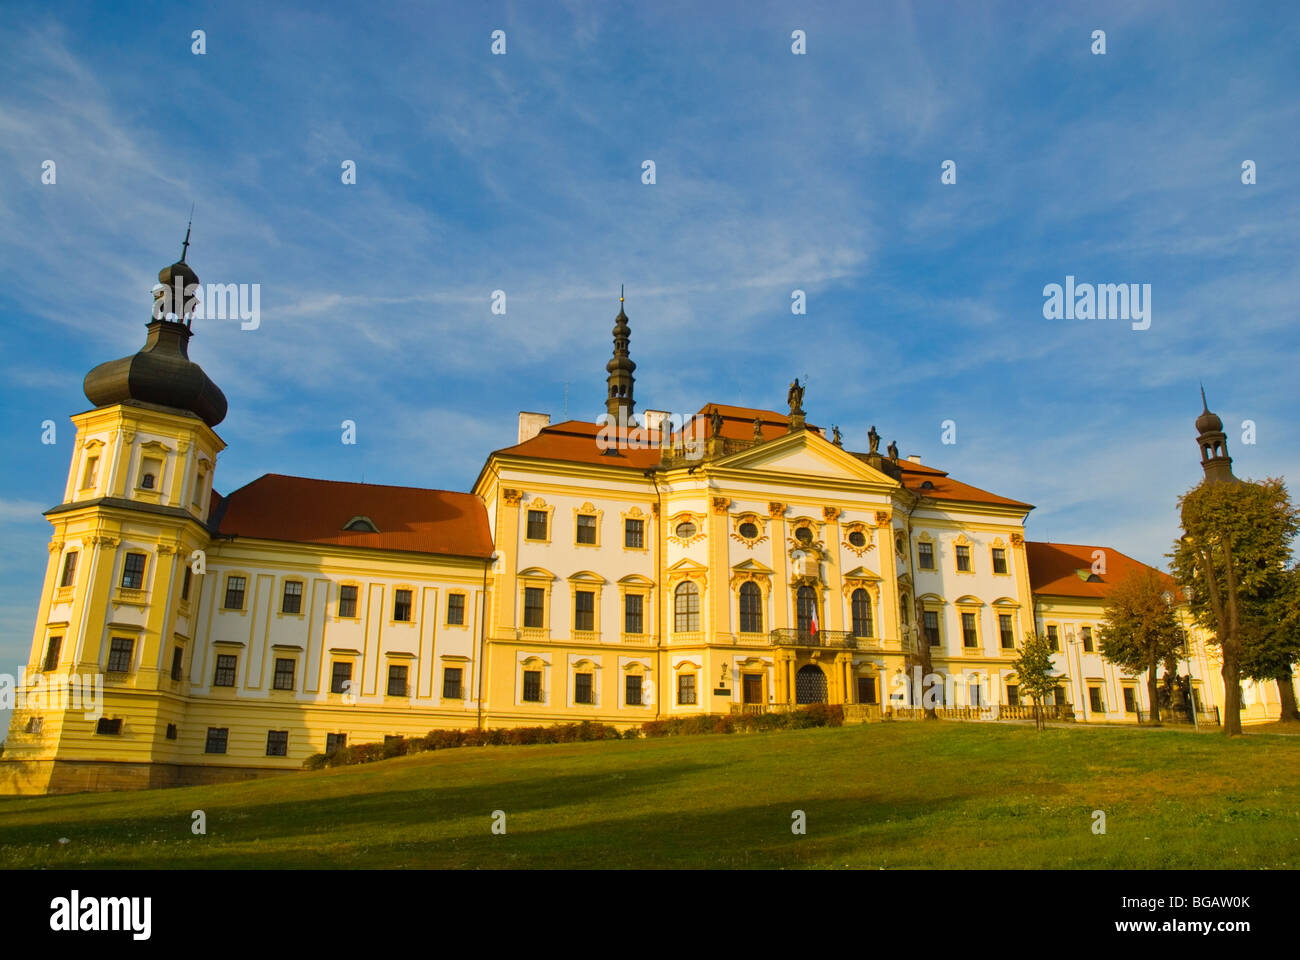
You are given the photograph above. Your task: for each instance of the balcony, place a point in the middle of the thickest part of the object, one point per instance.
(791, 637)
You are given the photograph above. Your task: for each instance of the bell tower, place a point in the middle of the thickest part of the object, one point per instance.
(618, 401)
(1214, 446)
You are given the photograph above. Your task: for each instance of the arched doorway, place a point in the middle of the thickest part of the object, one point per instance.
(810, 685)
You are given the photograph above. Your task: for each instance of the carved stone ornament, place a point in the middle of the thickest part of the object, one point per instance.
(775, 509)
(720, 504)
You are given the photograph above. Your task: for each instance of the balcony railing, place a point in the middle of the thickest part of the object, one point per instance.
(791, 637)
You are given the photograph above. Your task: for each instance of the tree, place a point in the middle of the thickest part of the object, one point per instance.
(1034, 671)
(1141, 630)
(1271, 637)
(1236, 541)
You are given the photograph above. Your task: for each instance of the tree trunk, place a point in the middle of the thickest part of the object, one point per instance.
(1231, 693)
(1286, 693)
(1153, 692)
(923, 655)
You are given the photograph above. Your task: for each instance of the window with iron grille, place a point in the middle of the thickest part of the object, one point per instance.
(396, 680)
(634, 534)
(226, 667)
(533, 686)
(686, 608)
(584, 610)
(534, 606)
(185, 582)
(633, 622)
(1095, 701)
(963, 558)
(277, 743)
(234, 593)
(633, 690)
(133, 571)
(284, 671)
(52, 653)
(805, 608)
(1085, 634)
(866, 689)
(291, 602)
(536, 525)
(216, 742)
(1006, 631)
(1130, 700)
(751, 608)
(1052, 641)
(999, 560)
(686, 689)
(582, 688)
(119, 655)
(402, 605)
(925, 555)
(107, 726)
(340, 675)
(969, 635)
(861, 609)
(347, 601)
(451, 680)
(586, 528)
(456, 609)
(1013, 695)
(178, 659)
(69, 569)
(335, 741)
(931, 623)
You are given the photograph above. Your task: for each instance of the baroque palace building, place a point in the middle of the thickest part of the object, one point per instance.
(742, 560)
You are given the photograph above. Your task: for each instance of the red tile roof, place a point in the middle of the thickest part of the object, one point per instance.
(301, 510)
(574, 441)
(944, 487)
(1063, 569)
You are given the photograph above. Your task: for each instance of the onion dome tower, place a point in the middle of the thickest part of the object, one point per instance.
(619, 403)
(161, 372)
(1214, 446)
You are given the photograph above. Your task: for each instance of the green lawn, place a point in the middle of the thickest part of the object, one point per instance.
(880, 795)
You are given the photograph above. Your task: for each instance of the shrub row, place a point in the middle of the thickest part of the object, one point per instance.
(814, 715)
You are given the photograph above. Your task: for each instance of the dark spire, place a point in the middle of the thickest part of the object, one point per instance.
(185, 247)
(1214, 446)
(620, 367)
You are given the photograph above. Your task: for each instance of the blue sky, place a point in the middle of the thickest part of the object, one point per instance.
(775, 172)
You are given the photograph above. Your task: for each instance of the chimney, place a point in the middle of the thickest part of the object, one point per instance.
(914, 457)
(531, 424)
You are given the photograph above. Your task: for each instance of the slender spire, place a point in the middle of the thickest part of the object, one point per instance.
(1213, 443)
(618, 398)
(185, 247)
(1205, 406)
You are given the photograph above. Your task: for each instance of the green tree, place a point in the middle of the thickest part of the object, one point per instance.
(1141, 629)
(1236, 541)
(1271, 637)
(1035, 671)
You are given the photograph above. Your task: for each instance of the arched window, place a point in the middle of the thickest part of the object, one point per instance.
(806, 608)
(861, 613)
(686, 608)
(751, 608)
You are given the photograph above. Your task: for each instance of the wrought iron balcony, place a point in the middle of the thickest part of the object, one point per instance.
(790, 637)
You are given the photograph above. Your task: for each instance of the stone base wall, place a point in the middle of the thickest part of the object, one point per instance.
(36, 777)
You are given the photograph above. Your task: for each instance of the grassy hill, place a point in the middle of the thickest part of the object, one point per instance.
(882, 795)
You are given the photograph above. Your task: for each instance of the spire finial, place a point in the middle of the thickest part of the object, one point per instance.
(185, 247)
(1205, 405)
(620, 297)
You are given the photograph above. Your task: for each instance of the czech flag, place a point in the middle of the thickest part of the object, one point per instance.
(813, 626)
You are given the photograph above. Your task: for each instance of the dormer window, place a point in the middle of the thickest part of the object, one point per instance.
(361, 525)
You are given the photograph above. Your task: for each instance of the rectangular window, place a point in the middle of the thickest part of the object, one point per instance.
(686, 688)
(1006, 631)
(1085, 634)
(534, 606)
(456, 608)
(633, 621)
(451, 684)
(178, 660)
(277, 743)
(1130, 700)
(532, 686)
(999, 560)
(171, 731)
(150, 473)
(634, 534)
(969, 636)
(284, 671)
(931, 622)
(335, 741)
(963, 558)
(120, 650)
(291, 602)
(52, 653)
(91, 474)
(586, 528)
(341, 676)
(396, 680)
(1013, 695)
(1053, 641)
(110, 727)
(216, 742)
(402, 605)
(1095, 703)
(226, 667)
(69, 569)
(633, 690)
(199, 481)
(582, 689)
(348, 602)
(536, 525)
(925, 555)
(133, 572)
(584, 610)
(866, 689)
(234, 593)
(185, 582)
